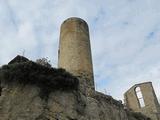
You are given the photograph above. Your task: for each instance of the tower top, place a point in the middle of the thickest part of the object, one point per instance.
(75, 19)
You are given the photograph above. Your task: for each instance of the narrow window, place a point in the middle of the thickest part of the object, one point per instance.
(140, 97)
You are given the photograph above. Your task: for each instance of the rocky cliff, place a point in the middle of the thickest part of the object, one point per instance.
(29, 91)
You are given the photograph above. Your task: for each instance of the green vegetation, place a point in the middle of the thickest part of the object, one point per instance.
(31, 73)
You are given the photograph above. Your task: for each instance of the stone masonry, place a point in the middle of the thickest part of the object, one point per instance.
(144, 100)
(74, 50)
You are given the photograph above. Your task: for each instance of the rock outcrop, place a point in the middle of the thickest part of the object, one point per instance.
(29, 91)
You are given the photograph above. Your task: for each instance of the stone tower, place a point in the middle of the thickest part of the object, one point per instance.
(142, 98)
(74, 53)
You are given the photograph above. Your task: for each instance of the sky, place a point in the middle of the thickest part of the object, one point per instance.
(124, 35)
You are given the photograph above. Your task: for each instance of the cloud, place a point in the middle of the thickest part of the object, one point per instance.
(125, 37)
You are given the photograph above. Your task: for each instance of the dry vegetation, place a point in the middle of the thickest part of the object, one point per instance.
(31, 73)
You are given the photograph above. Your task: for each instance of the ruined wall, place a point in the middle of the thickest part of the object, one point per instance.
(33, 92)
(24, 103)
(74, 49)
(151, 106)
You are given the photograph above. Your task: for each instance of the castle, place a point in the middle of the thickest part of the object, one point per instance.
(29, 91)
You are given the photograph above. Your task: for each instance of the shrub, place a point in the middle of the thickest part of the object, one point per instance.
(44, 62)
(47, 79)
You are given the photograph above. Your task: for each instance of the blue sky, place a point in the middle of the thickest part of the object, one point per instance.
(125, 37)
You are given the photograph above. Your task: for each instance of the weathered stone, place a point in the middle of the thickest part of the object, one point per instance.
(142, 98)
(74, 49)
(24, 103)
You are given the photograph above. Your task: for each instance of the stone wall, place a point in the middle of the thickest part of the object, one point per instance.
(151, 106)
(25, 98)
(24, 103)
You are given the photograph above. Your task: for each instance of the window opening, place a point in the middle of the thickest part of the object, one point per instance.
(140, 97)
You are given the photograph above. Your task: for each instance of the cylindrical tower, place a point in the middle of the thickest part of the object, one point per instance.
(74, 49)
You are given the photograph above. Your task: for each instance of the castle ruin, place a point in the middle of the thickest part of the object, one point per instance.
(30, 91)
(142, 98)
